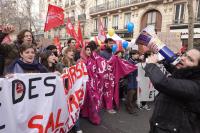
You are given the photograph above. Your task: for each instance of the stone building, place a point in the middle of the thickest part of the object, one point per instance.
(164, 15)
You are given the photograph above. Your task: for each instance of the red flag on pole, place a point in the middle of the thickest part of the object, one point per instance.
(80, 36)
(55, 17)
(70, 29)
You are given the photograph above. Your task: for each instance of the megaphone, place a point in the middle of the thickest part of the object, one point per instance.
(148, 38)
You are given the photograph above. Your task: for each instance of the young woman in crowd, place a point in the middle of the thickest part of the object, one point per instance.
(26, 64)
(11, 52)
(68, 61)
(50, 61)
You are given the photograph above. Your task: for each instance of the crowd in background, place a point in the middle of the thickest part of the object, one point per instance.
(23, 56)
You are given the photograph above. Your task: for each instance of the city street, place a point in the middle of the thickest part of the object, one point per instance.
(121, 122)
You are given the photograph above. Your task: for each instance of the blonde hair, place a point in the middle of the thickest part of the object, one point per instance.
(66, 60)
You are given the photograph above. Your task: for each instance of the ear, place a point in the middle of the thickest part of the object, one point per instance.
(20, 54)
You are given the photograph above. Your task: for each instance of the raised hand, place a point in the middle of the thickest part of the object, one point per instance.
(7, 29)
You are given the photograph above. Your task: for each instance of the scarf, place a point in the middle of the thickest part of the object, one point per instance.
(20, 66)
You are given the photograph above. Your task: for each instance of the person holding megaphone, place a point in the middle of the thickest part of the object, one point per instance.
(177, 106)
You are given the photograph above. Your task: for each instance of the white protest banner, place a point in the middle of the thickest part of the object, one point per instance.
(146, 91)
(2, 125)
(38, 103)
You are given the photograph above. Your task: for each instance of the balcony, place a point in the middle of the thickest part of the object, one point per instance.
(112, 5)
(115, 27)
(82, 17)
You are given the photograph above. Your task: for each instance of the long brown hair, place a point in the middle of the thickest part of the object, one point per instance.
(65, 60)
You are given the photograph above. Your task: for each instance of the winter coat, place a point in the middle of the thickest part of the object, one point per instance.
(106, 54)
(2, 59)
(177, 106)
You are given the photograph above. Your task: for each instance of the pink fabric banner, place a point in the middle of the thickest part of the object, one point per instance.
(102, 87)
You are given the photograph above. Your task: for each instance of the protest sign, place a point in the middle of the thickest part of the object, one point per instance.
(38, 102)
(146, 91)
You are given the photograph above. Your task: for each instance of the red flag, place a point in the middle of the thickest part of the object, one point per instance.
(56, 42)
(55, 17)
(70, 29)
(80, 36)
(101, 32)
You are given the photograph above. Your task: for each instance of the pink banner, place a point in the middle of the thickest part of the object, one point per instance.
(102, 87)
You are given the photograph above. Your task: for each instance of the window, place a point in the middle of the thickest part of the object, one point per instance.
(151, 19)
(127, 19)
(105, 22)
(73, 13)
(115, 22)
(97, 2)
(95, 24)
(66, 3)
(198, 13)
(60, 3)
(179, 13)
(72, 2)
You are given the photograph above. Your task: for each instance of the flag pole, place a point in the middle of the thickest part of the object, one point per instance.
(46, 18)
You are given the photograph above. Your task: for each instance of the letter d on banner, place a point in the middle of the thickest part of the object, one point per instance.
(18, 91)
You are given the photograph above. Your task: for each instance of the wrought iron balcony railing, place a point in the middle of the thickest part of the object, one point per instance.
(115, 27)
(114, 5)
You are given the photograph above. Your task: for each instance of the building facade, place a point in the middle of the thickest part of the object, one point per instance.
(76, 10)
(164, 15)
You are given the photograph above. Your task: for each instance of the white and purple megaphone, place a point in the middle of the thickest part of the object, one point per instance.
(148, 38)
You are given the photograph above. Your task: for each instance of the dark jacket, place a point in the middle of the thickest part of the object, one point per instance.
(2, 58)
(132, 77)
(106, 54)
(177, 106)
(8, 53)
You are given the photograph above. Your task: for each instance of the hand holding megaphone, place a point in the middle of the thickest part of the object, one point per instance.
(148, 38)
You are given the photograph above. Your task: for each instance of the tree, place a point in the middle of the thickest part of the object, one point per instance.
(17, 13)
(190, 24)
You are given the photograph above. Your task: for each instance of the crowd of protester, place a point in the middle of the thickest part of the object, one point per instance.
(22, 56)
